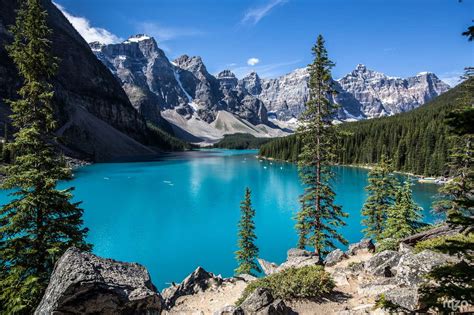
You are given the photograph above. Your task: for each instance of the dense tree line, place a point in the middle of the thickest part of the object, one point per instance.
(241, 141)
(416, 141)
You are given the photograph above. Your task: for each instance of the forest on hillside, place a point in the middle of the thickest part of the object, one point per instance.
(416, 141)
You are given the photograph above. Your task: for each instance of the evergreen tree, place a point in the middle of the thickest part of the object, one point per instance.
(319, 217)
(455, 281)
(381, 189)
(5, 151)
(248, 251)
(40, 223)
(404, 216)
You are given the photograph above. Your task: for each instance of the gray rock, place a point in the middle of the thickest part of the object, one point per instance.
(83, 283)
(257, 300)
(412, 268)
(198, 281)
(375, 287)
(404, 248)
(267, 267)
(261, 302)
(406, 298)
(334, 257)
(381, 264)
(364, 245)
(298, 258)
(226, 310)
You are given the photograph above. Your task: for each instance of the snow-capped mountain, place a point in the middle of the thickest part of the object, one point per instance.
(203, 107)
(362, 94)
(182, 91)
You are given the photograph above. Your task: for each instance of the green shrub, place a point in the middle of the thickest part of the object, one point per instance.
(305, 282)
(447, 244)
(387, 244)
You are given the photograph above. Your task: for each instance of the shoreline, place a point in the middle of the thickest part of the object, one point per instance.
(439, 180)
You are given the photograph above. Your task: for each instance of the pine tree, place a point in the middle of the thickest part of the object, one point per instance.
(381, 189)
(455, 281)
(319, 217)
(248, 251)
(40, 223)
(404, 216)
(5, 151)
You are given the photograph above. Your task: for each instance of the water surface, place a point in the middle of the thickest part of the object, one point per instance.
(179, 213)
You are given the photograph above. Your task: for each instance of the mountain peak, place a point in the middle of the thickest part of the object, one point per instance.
(424, 73)
(361, 67)
(225, 74)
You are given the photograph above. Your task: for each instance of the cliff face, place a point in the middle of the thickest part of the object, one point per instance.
(96, 118)
(381, 95)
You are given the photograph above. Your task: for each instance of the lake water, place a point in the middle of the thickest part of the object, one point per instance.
(182, 212)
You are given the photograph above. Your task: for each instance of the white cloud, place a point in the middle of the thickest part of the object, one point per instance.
(254, 15)
(88, 32)
(253, 61)
(162, 33)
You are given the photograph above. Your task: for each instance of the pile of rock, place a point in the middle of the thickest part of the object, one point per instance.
(83, 283)
(395, 274)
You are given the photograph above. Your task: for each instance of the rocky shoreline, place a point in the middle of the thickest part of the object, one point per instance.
(83, 283)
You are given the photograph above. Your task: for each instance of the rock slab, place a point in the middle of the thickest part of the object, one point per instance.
(83, 283)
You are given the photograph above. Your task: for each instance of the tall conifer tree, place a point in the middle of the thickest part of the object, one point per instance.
(319, 216)
(455, 281)
(404, 216)
(247, 253)
(381, 189)
(40, 222)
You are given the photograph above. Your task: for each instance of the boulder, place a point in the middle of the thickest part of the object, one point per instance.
(83, 283)
(229, 310)
(267, 267)
(198, 281)
(298, 258)
(365, 244)
(406, 298)
(262, 302)
(376, 287)
(381, 264)
(412, 268)
(334, 257)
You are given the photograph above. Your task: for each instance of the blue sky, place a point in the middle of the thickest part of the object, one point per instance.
(273, 37)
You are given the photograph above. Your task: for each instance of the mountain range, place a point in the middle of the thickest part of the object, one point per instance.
(105, 94)
(95, 117)
(200, 106)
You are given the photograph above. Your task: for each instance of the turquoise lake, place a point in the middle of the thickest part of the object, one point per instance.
(181, 212)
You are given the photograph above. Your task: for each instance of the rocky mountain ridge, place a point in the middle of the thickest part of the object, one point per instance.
(190, 98)
(361, 94)
(158, 87)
